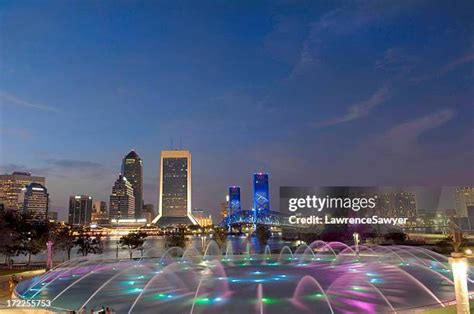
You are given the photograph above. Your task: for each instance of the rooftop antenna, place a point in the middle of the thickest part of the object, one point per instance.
(171, 143)
(180, 143)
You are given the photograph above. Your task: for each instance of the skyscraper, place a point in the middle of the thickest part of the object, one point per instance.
(122, 201)
(36, 201)
(225, 207)
(174, 207)
(397, 204)
(11, 188)
(80, 210)
(234, 200)
(464, 197)
(132, 169)
(261, 195)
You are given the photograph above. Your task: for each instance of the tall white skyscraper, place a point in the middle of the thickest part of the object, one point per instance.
(122, 201)
(175, 189)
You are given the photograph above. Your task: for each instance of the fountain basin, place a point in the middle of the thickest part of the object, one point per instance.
(321, 277)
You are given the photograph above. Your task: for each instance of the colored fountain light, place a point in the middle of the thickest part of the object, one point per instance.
(331, 277)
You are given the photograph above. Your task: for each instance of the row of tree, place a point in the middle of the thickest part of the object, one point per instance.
(21, 235)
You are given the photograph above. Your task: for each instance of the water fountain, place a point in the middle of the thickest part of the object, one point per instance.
(325, 277)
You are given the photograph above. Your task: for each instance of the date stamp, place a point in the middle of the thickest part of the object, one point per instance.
(28, 303)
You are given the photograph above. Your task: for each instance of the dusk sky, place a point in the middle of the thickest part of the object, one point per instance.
(315, 93)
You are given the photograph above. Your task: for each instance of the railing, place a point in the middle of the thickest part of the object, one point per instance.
(24, 266)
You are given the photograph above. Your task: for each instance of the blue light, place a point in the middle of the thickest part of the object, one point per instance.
(261, 196)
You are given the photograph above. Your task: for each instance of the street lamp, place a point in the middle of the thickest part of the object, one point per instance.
(49, 261)
(459, 265)
(117, 249)
(203, 242)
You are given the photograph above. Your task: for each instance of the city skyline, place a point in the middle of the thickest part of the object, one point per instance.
(349, 93)
(429, 198)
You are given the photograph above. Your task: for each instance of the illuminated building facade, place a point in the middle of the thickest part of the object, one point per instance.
(11, 189)
(122, 201)
(36, 201)
(175, 189)
(261, 195)
(225, 208)
(80, 210)
(397, 204)
(100, 215)
(234, 199)
(205, 221)
(464, 197)
(132, 169)
(202, 220)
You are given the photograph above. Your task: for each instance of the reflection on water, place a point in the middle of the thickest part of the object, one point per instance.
(155, 246)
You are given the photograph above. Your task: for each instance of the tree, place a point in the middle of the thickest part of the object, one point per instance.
(63, 238)
(263, 234)
(396, 237)
(34, 237)
(176, 240)
(10, 237)
(83, 242)
(133, 241)
(220, 236)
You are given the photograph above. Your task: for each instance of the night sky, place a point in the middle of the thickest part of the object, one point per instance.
(315, 93)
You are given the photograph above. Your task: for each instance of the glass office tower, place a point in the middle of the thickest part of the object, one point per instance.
(261, 195)
(132, 169)
(234, 200)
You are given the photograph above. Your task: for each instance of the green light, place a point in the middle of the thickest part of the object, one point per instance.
(269, 301)
(318, 295)
(202, 301)
(135, 290)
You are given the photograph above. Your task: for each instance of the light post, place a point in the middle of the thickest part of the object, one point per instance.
(203, 243)
(459, 265)
(356, 243)
(49, 261)
(116, 251)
